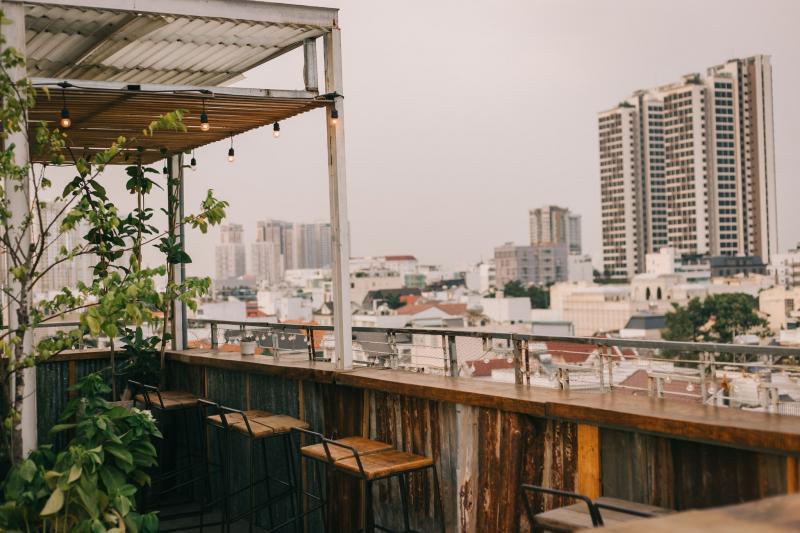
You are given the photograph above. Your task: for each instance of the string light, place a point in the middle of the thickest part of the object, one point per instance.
(231, 153)
(65, 120)
(204, 125)
(334, 116)
(276, 130)
(193, 162)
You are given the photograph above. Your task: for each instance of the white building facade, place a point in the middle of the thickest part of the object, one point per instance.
(690, 165)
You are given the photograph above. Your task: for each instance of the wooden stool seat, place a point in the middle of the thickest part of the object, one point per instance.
(236, 418)
(382, 464)
(362, 445)
(170, 399)
(576, 516)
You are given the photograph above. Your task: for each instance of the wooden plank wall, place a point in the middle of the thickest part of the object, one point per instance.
(482, 454)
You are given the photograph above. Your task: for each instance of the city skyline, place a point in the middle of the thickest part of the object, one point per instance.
(416, 164)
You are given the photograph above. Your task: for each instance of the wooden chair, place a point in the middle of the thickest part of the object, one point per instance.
(586, 513)
(371, 461)
(257, 427)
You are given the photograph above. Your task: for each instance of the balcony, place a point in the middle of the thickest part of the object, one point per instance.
(560, 424)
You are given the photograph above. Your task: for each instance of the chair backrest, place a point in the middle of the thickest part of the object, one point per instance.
(594, 512)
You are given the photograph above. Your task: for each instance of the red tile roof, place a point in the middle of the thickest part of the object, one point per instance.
(450, 309)
(399, 258)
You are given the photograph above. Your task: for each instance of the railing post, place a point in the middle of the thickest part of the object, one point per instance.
(214, 335)
(610, 369)
(453, 356)
(602, 373)
(518, 376)
(527, 362)
(310, 342)
(703, 384)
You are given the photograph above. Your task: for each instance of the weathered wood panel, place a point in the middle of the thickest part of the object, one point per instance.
(52, 381)
(686, 475)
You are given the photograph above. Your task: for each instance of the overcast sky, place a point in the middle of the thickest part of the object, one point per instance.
(462, 115)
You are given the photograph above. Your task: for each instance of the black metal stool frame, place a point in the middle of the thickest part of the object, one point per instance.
(594, 506)
(321, 497)
(367, 492)
(291, 483)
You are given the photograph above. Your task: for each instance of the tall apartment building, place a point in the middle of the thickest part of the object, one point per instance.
(552, 224)
(67, 273)
(230, 253)
(281, 246)
(690, 165)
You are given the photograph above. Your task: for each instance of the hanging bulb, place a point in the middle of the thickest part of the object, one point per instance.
(276, 130)
(165, 170)
(334, 116)
(486, 358)
(231, 156)
(204, 125)
(193, 163)
(65, 121)
(689, 387)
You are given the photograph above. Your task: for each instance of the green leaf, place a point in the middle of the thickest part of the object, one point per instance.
(74, 473)
(54, 503)
(120, 453)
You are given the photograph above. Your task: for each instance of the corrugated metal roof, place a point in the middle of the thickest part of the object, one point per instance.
(109, 45)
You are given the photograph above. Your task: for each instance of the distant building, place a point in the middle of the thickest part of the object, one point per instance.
(580, 268)
(230, 253)
(507, 310)
(722, 266)
(550, 263)
(266, 262)
(514, 263)
(362, 282)
(690, 165)
(66, 273)
(782, 307)
(555, 225)
(785, 268)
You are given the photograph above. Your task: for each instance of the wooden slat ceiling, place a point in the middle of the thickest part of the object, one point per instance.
(99, 116)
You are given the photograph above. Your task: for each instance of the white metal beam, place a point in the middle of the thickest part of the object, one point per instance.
(19, 204)
(340, 227)
(153, 87)
(249, 10)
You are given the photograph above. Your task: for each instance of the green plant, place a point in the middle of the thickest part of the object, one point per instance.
(140, 356)
(90, 486)
(717, 318)
(121, 293)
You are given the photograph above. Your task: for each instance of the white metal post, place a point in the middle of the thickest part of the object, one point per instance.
(340, 227)
(176, 191)
(19, 204)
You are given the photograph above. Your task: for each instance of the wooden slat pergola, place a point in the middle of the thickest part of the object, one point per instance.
(100, 112)
(100, 56)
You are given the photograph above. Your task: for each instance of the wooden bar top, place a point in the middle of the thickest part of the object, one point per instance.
(780, 514)
(720, 425)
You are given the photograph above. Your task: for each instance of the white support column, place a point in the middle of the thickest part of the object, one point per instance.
(179, 311)
(310, 65)
(19, 203)
(340, 227)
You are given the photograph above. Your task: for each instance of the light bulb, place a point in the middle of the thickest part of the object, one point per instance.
(65, 121)
(486, 358)
(276, 130)
(334, 116)
(689, 387)
(193, 164)
(231, 156)
(510, 359)
(204, 125)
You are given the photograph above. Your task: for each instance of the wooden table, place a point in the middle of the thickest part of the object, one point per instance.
(771, 515)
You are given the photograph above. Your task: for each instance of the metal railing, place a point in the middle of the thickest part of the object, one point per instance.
(765, 378)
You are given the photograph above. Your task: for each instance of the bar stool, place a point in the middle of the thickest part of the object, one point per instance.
(258, 426)
(324, 457)
(177, 406)
(586, 513)
(371, 461)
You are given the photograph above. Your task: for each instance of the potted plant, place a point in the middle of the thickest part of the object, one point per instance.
(247, 344)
